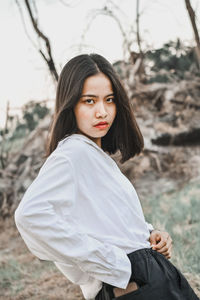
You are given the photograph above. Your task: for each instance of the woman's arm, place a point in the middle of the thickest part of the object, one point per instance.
(46, 226)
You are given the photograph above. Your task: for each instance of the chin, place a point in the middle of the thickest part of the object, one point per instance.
(101, 134)
(95, 135)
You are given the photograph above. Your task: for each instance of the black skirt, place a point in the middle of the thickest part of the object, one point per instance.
(156, 277)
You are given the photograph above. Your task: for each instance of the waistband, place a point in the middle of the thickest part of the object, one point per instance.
(141, 254)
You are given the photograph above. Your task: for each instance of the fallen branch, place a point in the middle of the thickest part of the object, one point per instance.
(188, 105)
(186, 138)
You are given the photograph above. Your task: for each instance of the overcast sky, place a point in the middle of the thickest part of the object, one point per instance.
(23, 74)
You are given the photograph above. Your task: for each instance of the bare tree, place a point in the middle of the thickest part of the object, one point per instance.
(138, 26)
(32, 12)
(194, 27)
(140, 58)
(3, 152)
(110, 9)
(129, 35)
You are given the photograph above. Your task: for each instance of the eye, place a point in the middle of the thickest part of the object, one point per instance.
(86, 101)
(111, 99)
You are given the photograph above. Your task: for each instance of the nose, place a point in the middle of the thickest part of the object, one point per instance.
(101, 111)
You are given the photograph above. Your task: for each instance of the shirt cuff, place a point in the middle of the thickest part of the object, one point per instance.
(150, 227)
(117, 270)
(123, 270)
(73, 273)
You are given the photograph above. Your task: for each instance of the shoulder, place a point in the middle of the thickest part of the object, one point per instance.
(78, 151)
(56, 163)
(71, 148)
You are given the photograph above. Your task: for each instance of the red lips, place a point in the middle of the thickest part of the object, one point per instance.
(101, 123)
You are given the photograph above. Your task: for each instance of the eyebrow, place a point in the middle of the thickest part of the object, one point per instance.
(94, 96)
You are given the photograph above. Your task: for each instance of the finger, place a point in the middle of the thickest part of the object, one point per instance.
(168, 253)
(165, 240)
(168, 256)
(165, 248)
(161, 244)
(152, 239)
(155, 238)
(169, 240)
(169, 243)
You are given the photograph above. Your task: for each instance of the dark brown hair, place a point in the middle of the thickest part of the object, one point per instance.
(124, 134)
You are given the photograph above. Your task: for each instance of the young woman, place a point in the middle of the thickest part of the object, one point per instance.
(81, 212)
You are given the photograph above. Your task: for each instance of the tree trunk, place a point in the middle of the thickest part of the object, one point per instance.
(194, 27)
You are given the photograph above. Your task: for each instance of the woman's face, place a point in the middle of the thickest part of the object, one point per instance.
(96, 104)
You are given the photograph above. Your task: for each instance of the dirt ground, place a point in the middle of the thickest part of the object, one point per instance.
(24, 276)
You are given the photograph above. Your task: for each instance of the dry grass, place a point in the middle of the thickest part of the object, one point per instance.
(23, 276)
(178, 213)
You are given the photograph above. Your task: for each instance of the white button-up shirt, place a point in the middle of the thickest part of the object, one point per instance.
(82, 213)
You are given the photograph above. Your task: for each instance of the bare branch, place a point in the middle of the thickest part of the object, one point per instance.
(24, 24)
(107, 12)
(117, 8)
(4, 154)
(70, 3)
(138, 28)
(35, 11)
(49, 59)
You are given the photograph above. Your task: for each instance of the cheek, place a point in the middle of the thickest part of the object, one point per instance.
(113, 111)
(81, 114)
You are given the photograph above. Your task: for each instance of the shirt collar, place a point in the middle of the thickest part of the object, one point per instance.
(84, 138)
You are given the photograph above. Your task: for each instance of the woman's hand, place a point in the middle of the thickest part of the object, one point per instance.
(132, 286)
(161, 242)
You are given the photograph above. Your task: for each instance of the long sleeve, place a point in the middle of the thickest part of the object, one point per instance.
(47, 228)
(74, 273)
(150, 227)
